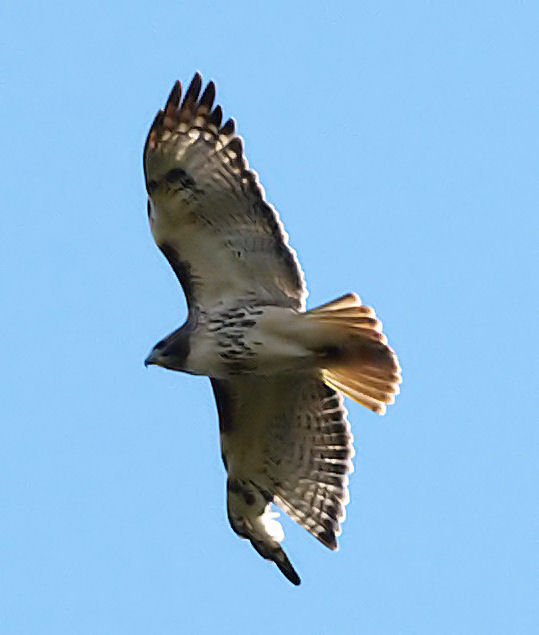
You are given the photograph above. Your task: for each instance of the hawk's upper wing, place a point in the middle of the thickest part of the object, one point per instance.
(285, 440)
(207, 210)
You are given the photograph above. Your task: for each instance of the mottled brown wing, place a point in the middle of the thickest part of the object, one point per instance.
(311, 460)
(208, 212)
(285, 440)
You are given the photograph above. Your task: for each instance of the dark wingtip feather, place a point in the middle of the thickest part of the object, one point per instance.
(206, 101)
(194, 89)
(236, 146)
(329, 539)
(216, 116)
(228, 128)
(173, 100)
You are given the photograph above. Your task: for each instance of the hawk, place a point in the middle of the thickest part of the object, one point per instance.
(278, 371)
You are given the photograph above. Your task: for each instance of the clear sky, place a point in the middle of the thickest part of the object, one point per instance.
(399, 142)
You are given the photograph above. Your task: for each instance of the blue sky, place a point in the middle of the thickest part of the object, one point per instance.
(399, 142)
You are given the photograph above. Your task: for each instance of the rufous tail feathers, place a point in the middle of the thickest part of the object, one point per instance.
(356, 357)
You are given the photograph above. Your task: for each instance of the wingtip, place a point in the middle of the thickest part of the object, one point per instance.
(194, 89)
(173, 100)
(286, 568)
(294, 578)
(208, 97)
(236, 146)
(215, 117)
(329, 539)
(228, 128)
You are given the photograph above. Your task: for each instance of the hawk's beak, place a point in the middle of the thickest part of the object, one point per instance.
(151, 359)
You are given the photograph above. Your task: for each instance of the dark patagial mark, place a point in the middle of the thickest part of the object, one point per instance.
(151, 186)
(237, 487)
(224, 401)
(182, 270)
(233, 486)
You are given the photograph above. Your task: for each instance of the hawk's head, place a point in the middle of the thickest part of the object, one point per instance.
(171, 352)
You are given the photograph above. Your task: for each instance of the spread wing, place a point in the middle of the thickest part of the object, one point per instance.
(208, 212)
(285, 440)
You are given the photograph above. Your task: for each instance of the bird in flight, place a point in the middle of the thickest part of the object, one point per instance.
(278, 371)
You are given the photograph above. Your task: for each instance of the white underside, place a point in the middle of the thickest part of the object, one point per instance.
(277, 342)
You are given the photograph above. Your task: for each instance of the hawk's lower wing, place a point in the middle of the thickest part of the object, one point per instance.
(285, 440)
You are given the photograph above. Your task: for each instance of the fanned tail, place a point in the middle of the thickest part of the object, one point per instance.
(357, 359)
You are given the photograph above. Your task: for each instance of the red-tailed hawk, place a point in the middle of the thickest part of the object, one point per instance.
(277, 370)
